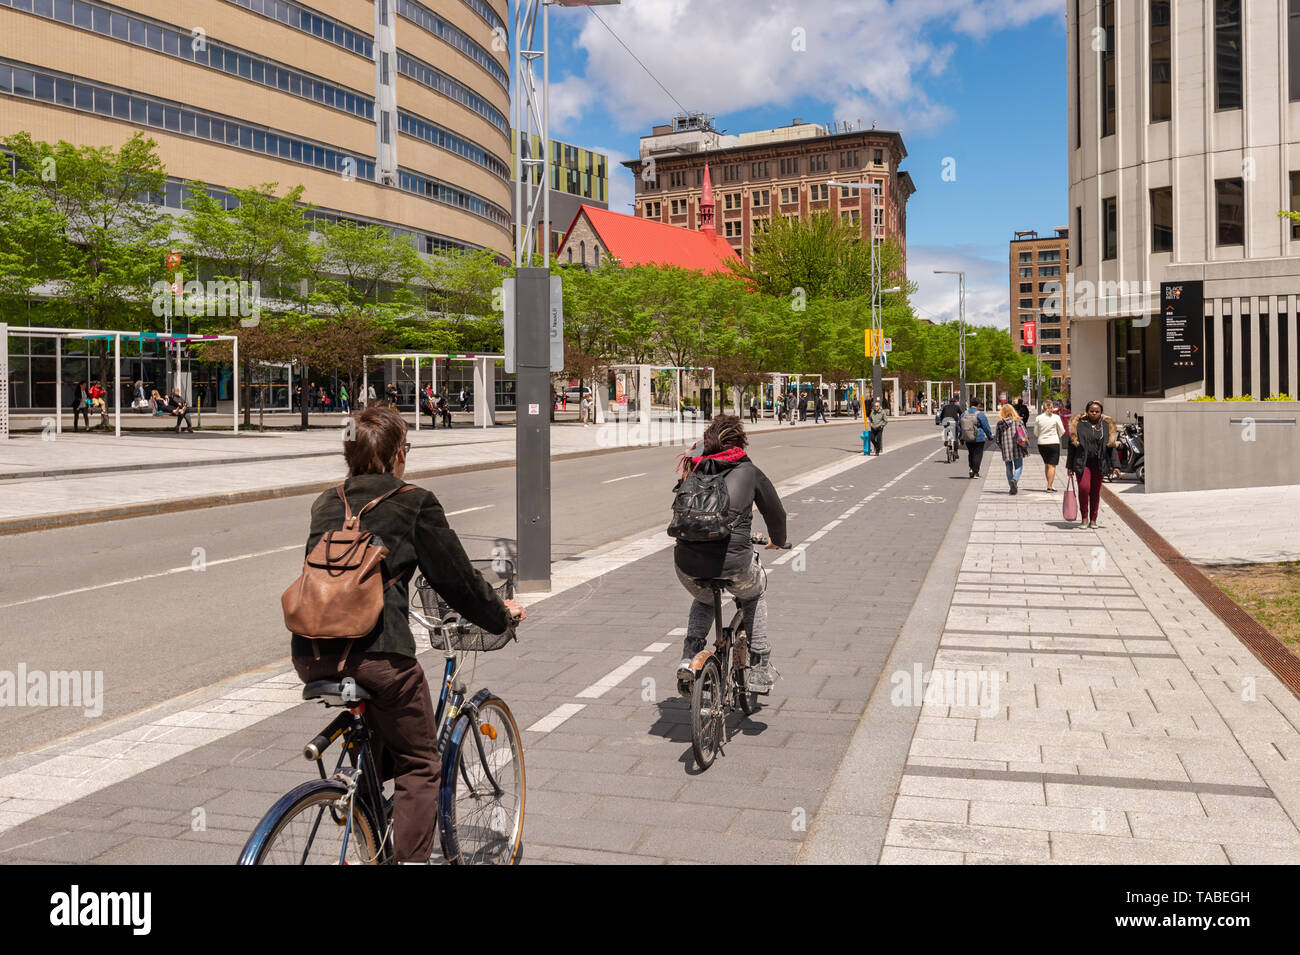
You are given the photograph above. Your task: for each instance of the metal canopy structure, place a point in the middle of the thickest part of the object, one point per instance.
(484, 380)
(643, 398)
(59, 334)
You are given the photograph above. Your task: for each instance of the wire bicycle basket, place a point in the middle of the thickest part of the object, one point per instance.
(457, 632)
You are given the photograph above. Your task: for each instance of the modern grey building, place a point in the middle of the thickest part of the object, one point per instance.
(1184, 144)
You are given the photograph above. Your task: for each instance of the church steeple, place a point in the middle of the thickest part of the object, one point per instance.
(706, 204)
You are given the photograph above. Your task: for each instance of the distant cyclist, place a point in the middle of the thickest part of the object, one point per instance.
(722, 451)
(950, 417)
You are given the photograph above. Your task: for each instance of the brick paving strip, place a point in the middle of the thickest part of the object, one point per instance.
(1130, 725)
(606, 783)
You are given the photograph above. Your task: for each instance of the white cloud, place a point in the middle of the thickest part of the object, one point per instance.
(863, 58)
(988, 291)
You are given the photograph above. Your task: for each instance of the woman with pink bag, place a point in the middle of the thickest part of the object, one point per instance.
(1091, 455)
(1012, 441)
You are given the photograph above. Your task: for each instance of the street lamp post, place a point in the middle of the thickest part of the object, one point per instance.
(535, 307)
(961, 329)
(877, 276)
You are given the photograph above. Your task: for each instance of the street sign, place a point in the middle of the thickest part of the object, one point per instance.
(557, 323)
(508, 322)
(889, 345)
(1028, 331)
(534, 409)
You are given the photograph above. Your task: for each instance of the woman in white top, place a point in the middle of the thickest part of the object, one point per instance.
(1048, 430)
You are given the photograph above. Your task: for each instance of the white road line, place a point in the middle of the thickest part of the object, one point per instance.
(187, 569)
(658, 647)
(613, 678)
(556, 717)
(626, 477)
(677, 632)
(466, 510)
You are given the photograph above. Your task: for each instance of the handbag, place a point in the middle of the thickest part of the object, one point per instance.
(1070, 503)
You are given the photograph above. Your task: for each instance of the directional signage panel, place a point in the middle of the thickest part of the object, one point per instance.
(1182, 356)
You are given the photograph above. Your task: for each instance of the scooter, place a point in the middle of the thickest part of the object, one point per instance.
(1132, 454)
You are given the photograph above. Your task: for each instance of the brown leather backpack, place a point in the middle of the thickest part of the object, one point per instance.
(340, 593)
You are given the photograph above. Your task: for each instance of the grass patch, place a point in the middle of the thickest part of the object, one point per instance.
(1268, 592)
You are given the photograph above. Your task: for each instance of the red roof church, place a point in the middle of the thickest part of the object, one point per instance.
(597, 234)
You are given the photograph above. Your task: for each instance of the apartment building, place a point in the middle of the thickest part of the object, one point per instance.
(1038, 265)
(1184, 144)
(759, 175)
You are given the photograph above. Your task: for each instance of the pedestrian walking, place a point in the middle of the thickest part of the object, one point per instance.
(464, 397)
(1010, 431)
(876, 422)
(1048, 431)
(753, 409)
(444, 409)
(370, 395)
(1022, 409)
(1092, 455)
(820, 411)
(853, 400)
(390, 394)
(430, 406)
(975, 431)
(585, 406)
(80, 403)
(345, 405)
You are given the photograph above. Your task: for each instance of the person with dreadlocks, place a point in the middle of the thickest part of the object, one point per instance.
(722, 451)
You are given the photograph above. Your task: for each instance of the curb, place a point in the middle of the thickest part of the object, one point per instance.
(1258, 639)
(22, 525)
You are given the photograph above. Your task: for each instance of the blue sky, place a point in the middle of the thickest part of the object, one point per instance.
(980, 81)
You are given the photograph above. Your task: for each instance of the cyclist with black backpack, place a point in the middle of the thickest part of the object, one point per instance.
(712, 519)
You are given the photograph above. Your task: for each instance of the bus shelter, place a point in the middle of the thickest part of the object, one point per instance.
(61, 334)
(639, 381)
(484, 395)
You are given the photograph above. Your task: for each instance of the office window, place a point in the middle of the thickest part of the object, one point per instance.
(1162, 220)
(1026, 273)
(1078, 233)
(878, 157)
(1230, 205)
(1026, 303)
(1227, 54)
(1049, 255)
(1026, 258)
(1026, 287)
(1106, 20)
(1161, 105)
(1110, 226)
(760, 198)
(383, 68)
(1293, 49)
(1295, 200)
(1049, 270)
(790, 167)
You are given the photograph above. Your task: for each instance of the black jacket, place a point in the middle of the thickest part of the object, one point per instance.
(414, 529)
(747, 486)
(950, 410)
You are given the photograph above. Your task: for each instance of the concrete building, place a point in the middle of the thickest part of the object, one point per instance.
(386, 111)
(1037, 267)
(578, 177)
(1184, 143)
(770, 172)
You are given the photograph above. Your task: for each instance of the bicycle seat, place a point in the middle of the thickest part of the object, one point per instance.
(342, 692)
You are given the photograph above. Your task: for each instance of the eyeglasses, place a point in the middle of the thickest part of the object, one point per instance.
(406, 448)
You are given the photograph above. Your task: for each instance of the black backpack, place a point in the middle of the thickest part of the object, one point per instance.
(702, 508)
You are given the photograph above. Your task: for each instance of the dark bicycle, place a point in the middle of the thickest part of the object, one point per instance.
(344, 818)
(717, 685)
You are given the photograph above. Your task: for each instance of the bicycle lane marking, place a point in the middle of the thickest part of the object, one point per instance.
(616, 676)
(69, 771)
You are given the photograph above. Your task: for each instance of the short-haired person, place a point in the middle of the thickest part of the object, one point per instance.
(722, 450)
(410, 522)
(1092, 455)
(1048, 431)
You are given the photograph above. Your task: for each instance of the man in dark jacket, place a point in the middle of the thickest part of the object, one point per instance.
(950, 412)
(409, 522)
(1022, 409)
(722, 451)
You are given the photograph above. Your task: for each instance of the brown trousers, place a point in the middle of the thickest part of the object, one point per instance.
(400, 716)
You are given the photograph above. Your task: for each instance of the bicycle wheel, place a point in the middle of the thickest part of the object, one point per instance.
(480, 826)
(707, 713)
(307, 826)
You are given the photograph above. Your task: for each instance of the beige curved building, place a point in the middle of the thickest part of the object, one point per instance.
(387, 111)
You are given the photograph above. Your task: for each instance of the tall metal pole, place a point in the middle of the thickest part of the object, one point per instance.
(876, 282)
(961, 333)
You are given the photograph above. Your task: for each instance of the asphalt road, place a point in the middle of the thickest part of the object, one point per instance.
(128, 598)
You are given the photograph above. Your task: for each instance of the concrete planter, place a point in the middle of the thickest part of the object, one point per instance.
(1203, 445)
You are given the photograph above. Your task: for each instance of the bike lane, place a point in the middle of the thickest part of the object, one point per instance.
(607, 741)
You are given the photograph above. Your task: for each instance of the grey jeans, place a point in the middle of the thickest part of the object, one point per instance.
(748, 588)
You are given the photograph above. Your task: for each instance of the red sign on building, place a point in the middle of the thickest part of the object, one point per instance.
(173, 260)
(1028, 330)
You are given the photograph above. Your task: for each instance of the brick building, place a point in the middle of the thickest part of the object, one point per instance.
(1038, 266)
(773, 172)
